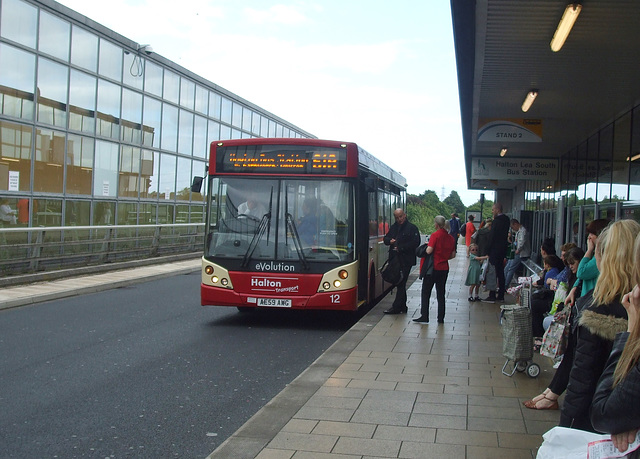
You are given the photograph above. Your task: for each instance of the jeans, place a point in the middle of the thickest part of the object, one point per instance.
(510, 269)
(439, 279)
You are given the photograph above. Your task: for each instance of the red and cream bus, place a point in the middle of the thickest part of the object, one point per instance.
(296, 223)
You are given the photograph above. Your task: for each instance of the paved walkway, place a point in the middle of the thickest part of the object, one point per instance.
(387, 388)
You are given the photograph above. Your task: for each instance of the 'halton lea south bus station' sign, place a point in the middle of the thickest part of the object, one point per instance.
(489, 168)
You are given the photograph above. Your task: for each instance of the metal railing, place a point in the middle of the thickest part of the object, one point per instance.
(30, 250)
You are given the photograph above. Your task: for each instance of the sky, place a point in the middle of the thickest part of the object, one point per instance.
(378, 73)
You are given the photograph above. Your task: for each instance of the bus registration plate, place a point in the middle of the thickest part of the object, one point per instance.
(274, 302)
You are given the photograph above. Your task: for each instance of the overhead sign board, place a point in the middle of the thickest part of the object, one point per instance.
(489, 168)
(509, 130)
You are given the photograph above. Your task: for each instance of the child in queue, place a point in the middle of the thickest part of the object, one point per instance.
(473, 272)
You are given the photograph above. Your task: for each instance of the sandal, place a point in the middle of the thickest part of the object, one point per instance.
(533, 404)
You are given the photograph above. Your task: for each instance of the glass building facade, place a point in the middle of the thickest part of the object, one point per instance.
(96, 131)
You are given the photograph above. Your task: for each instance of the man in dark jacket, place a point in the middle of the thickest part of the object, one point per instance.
(498, 249)
(403, 239)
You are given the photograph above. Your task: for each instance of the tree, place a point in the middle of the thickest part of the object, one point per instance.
(454, 201)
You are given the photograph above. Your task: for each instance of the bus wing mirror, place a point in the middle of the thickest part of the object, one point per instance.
(196, 186)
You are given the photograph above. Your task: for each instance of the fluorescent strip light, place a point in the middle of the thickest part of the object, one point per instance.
(564, 26)
(633, 158)
(503, 152)
(528, 101)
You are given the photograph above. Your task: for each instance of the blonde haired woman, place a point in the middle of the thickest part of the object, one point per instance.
(602, 317)
(616, 403)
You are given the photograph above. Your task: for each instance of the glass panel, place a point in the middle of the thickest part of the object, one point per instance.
(15, 159)
(47, 212)
(605, 164)
(19, 22)
(104, 212)
(167, 185)
(182, 213)
(127, 213)
(79, 164)
(236, 115)
(17, 82)
(129, 180)
(110, 60)
(185, 137)
(106, 169)
(108, 109)
(197, 214)
(133, 74)
(225, 114)
(153, 78)
(621, 153)
(169, 127)
(77, 213)
(52, 97)
(225, 132)
(187, 93)
(272, 128)
(54, 36)
(152, 121)
(279, 132)
(246, 119)
(165, 213)
(131, 116)
(235, 134)
(634, 159)
(82, 102)
(215, 105)
(200, 137)
(149, 174)
(202, 100)
(255, 123)
(213, 134)
(147, 214)
(171, 91)
(264, 127)
(48, 170)
(84, 49)
(184, 179)
(23, 206)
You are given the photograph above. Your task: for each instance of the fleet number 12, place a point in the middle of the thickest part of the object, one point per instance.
(335, 299)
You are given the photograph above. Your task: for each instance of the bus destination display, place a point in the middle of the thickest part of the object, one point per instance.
(283, 160)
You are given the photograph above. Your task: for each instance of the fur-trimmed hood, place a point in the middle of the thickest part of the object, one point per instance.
(603, 322)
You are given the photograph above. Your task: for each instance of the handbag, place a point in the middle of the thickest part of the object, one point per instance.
(391, 270)
(554, 341)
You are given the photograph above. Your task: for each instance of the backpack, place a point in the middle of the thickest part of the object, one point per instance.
(463, 230)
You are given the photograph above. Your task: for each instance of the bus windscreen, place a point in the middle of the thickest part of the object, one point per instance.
(281, 159)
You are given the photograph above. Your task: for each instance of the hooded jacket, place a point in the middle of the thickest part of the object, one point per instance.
(596, 330)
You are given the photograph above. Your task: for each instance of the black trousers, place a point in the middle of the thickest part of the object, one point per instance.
(498, 264)
(439, 279)
(400, 302)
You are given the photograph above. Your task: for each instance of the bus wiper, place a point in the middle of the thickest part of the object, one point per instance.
(296, 240)
(263, 226)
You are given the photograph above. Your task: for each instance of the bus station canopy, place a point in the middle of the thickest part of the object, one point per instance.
(503, 52)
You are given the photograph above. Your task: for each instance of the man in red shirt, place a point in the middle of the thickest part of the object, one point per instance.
(441, 247)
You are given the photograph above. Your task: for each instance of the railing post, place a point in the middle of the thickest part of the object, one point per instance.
(155, 244)
(37, 250)
(106, 245)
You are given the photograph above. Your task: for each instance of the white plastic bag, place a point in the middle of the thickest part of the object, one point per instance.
(565, 443)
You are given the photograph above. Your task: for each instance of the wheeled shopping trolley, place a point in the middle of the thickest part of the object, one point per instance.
(517, 338)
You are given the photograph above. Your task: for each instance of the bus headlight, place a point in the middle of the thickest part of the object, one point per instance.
(224, 281)
(343, 274)
(336, 283)
(215, 279)
(326, 285)
(208, 270)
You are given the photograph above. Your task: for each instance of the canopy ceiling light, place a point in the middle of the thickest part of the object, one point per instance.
(564, 26)
(503, 151)
(528, 100)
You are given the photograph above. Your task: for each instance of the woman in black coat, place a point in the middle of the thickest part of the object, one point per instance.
(600, 321)
(616, 404)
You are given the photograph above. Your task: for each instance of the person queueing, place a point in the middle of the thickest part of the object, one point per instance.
(441, 246)
(497, 250)
(522, 253)
(615, 408)
(403, 239)
(602, 318)
(473, 272)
